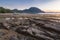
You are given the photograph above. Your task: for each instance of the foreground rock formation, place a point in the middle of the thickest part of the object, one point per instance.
(29, 29)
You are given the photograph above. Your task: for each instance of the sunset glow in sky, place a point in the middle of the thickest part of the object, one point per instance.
(46, 5)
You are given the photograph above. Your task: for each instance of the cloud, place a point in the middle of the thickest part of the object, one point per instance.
(54, 5)
(45, 5)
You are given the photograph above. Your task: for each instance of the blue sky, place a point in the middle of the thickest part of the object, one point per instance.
(45, 5)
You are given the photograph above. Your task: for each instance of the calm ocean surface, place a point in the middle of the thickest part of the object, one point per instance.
(48, 13)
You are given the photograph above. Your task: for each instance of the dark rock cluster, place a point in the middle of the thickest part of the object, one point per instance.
(29, 29)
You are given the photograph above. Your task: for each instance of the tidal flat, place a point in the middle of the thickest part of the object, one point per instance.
(29, 26)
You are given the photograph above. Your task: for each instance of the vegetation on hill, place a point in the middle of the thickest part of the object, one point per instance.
(3, 10)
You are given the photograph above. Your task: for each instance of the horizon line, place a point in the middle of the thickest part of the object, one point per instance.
(45, 10)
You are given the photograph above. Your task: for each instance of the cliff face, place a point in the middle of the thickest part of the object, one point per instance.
(29, 29)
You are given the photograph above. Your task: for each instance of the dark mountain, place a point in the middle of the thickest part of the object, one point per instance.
(33, 10)
(30, 10)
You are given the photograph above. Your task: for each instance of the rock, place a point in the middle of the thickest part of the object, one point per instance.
(29, 29)
(11, 35)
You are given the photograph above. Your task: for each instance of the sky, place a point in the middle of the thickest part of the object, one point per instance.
(45, 5)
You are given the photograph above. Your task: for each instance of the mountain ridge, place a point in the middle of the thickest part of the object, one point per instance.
(32, 10)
